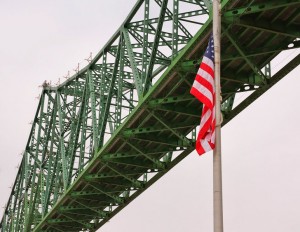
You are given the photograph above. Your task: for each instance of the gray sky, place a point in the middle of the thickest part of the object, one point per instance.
(42, 40)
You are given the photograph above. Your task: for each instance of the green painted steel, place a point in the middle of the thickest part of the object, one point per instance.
(105, 135)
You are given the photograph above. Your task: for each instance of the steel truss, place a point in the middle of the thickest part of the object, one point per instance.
(105, 135)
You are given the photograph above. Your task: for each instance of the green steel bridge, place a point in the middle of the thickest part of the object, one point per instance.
(106, 134)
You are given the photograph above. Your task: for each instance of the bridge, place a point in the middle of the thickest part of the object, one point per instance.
(109, 132)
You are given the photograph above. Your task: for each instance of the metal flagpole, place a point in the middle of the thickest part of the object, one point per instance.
(217, 165)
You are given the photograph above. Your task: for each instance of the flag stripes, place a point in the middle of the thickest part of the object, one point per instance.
(204, 90)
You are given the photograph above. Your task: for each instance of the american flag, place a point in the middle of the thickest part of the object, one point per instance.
(204, 90)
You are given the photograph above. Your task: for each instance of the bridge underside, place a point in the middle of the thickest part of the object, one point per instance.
(85, 160)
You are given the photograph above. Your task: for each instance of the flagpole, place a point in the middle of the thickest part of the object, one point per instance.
(217, 164)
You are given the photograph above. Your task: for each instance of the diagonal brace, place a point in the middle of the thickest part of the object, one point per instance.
(119, 200)
(136, 183)
(278, 28)
(239, 48)
(174, 131)
(139, 150)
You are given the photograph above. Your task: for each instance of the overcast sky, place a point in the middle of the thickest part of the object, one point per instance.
(42, 40)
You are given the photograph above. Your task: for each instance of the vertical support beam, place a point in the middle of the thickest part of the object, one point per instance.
(102, 86)
(103, 97)
(51, 174)
(136, 76)
(46, 154)
(19, 198)
(50, 138)
(82, 124)
(93, 106)
(175, 28)
(33, 196)
(49, 183)
(217, 164)
(119, 83)
(39, 143)
(109, 96)
(76, 127)
(25, 204)
(147, 81)
(145, 40)
(42, 189)
(61, 143)
(34, 185)
(110, 125)
(57, 179)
